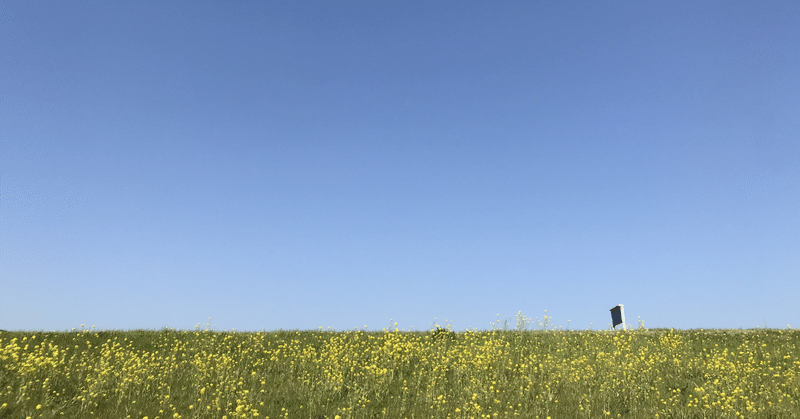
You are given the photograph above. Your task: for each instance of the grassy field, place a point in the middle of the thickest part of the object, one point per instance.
(398, 374)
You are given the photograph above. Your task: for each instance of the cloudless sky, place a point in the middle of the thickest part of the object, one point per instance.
(305, 164)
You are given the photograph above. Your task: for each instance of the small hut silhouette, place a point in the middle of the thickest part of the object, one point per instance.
(618, 316)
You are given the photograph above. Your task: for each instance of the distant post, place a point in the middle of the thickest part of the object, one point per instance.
(618, 316)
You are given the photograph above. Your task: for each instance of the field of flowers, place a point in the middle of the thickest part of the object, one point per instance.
(640, 373)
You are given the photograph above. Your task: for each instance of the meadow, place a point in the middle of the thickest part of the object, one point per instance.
(499, 373)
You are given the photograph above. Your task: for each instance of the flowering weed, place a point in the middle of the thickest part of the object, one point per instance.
(397, 374)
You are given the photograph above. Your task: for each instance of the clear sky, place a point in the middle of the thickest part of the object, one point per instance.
(291, 165)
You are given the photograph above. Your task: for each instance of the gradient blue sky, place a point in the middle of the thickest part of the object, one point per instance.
(291, 165)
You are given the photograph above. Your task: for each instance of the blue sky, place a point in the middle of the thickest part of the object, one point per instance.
(291, 165)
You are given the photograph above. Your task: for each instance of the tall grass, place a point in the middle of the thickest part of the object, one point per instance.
(399, 374)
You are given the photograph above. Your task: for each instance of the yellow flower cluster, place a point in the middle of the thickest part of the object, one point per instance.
(397, 374)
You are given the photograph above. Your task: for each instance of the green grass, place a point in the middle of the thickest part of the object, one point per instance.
(398, 374)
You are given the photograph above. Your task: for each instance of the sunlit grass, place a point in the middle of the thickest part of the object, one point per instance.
(401, 374)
